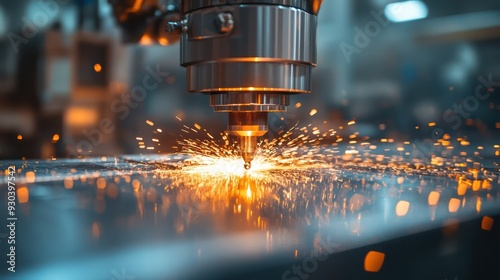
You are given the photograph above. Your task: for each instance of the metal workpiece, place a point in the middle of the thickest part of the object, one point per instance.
(188, 220)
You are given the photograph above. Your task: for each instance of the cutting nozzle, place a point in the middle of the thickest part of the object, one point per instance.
(248, 126)
(248, 147)
(247, 165)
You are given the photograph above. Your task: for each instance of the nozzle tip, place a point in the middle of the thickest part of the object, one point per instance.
(247, 165)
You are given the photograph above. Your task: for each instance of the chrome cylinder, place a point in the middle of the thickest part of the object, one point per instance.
(268, 48)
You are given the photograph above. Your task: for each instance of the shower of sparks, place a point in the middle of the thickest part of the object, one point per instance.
(303, 155)
(310, 147)
(307, 171)
(213, 166)
(296, 148)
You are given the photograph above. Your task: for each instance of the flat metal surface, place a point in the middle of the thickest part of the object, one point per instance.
(170, 217)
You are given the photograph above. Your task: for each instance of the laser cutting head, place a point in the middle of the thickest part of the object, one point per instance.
(249, 56)
(247, 125)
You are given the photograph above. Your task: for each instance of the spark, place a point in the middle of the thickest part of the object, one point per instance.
(301, 155)
(214, 166)
(307, 170)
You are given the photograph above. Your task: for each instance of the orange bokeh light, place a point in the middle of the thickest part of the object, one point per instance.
(433, 198)
(402, 208)
(454, 205)
(487, 223)
(23, 194)
(68, 183)
(30, 177)
(374, 261)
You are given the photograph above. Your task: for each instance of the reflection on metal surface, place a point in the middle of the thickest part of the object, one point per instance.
(22, 194)
(454, 205)
(402, 208)
(68, 183)
(30, 177)
(202, 203)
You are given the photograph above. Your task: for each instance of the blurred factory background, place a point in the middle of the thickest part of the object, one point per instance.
(72, 82)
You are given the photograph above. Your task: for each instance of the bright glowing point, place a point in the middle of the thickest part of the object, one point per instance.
(433, 198)
(479, 203)
(30, 177)
(213, 167)
(249, 193)
(487, 223)
(68, 183)
(101, 183)
(402, 208)
(453, 205)
(406, 11)
(97, 67)
(247, 165)
(374, 261)
(23, 194)
(163, 41)
(146, 40)
(462, 188)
